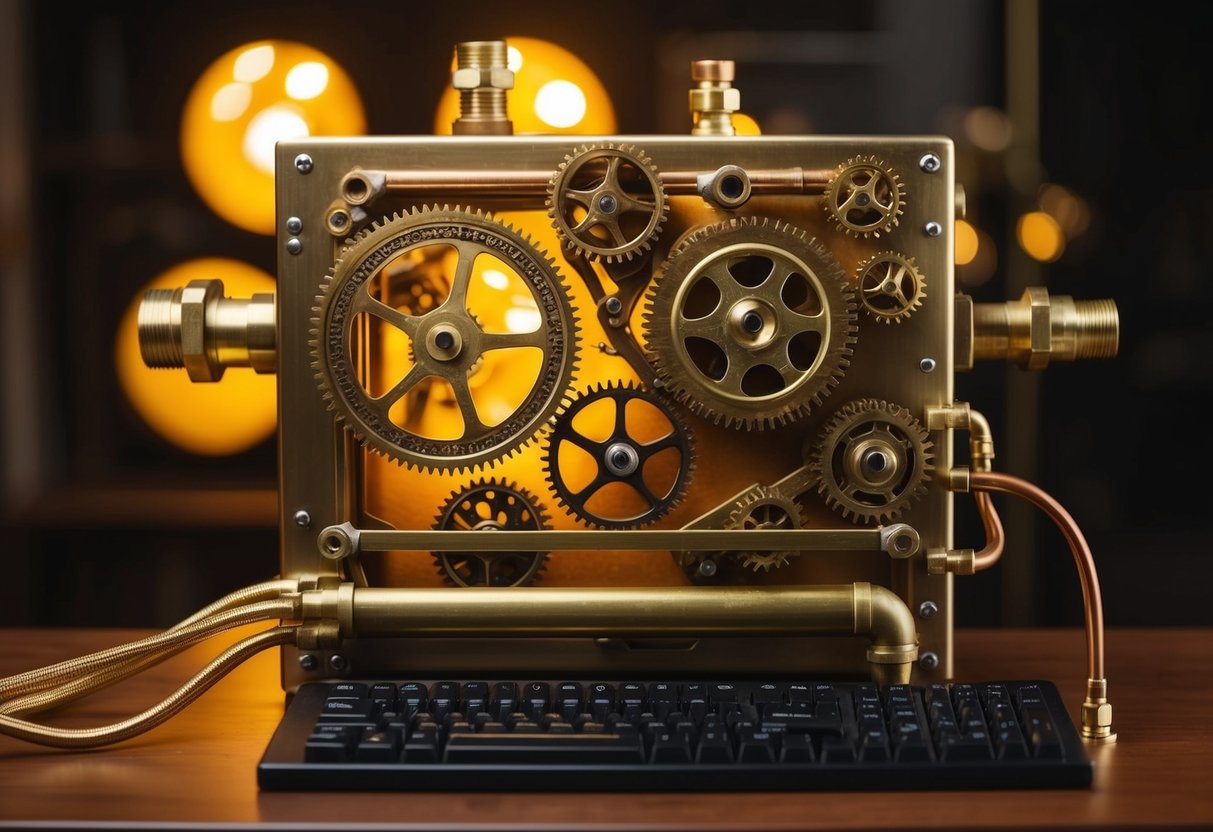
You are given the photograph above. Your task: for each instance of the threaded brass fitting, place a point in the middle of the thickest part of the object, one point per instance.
(482, 76)
(1095, 719)
(1037, 329)
(713, 100)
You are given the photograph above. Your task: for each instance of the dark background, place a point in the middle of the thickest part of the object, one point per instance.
(95, 203)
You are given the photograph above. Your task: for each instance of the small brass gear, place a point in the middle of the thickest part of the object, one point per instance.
(619, 450)
(606, 202)
(872, 460)
(491, 505)
(865, 197)
(446, 339)
(890, 286)
(765, 508)
(750, 323)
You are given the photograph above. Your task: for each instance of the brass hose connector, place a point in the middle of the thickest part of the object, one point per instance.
(1095, 719)
(1036, 329)
(482, 76)
(713, 99)
(197, 328)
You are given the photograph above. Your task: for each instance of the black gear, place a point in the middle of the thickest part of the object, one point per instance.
(620, 458)
(491, 505)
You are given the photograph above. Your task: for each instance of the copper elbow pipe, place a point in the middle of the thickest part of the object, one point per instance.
(995, 539)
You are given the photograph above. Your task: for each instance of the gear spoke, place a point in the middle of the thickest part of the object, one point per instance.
(870, 208)
(605, 202)
(473, 428)
(364, 302)
(463, 275)
(508, 340)
(707, 328)
(416, 373)
(651, 449)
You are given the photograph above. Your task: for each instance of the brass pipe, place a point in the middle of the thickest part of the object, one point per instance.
(845, 609)
(1096, 717)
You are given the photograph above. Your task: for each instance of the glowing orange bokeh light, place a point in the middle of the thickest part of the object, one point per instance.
(244, 102)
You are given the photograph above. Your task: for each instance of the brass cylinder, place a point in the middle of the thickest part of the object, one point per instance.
(1037, 329)
(846, 609)
(197, 328)
(713, 99)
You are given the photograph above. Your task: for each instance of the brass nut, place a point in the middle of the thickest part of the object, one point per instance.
(1096, 720)
(722, 99)
(196, 297)
(481, 77)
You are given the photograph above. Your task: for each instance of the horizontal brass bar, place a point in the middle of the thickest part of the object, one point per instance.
(516, 182)
(635, 540)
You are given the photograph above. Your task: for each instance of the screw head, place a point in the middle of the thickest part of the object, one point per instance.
(294, 245)
(303, 163)
(294, 225)
(928, 609)
(339, 219)
(302, 518)
(338, 662)
(932, 229)
(927, 365)
(930, 163)
(928, 661)
(614, 305)
(607, 204)
(308, 662)
(707, 568)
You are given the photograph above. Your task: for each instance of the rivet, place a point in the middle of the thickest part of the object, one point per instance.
(928, 609)
(308, 662)
(294, 246)
(303, 163)
(928, 661)
(294, 225)
(930, 163)
(932, 229)
(927, 365)
(302, 518)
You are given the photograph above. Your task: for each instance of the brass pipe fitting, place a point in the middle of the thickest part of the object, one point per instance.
(713, 99)
(1095, 718)
(482, 76)
(1038, 329)
(960, 416)
(845, 609)
(951, 561)
(197, 328)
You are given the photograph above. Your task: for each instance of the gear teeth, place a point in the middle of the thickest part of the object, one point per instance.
(684, 382)
(895, 188)
(328, 373)
(757, 497)
(867, 273)
(538, 560)
(611, 389)
(842, 424)
(592, 249)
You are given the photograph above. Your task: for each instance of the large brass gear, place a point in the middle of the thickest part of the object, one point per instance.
(606, 202)
(765, 508)
(750, 323)
(865, 197)
(447, 340)
(890, 286)
(491, 505)
(872, 460)
(620, 457)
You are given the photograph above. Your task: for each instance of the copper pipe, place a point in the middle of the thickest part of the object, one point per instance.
(988, 556)
(1092, 600)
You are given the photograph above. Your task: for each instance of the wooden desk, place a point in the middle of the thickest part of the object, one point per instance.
(198, 769)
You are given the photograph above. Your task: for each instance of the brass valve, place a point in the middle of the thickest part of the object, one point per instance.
(197, 328)
(1035, 329)
(713, 99)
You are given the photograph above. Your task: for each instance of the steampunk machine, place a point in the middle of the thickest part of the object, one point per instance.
(611, 404)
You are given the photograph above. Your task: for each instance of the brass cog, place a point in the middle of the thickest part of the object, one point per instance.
(750, 323)
(890, 286)
(872, 460)
(446, 339)
(865, 197)
(491, 505)
(765, 508)
(620, 458)
(606, 202)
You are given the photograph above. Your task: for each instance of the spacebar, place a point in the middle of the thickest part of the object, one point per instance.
(543, 748)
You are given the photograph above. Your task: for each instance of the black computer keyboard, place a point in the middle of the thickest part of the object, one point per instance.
(699, 736)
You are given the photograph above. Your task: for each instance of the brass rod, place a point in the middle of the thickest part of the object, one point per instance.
(778, 181)
(665, 540)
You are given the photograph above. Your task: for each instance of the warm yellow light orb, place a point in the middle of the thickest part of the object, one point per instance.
(211, 419)
(243, 103)
(966, 243)
(1040, 236)
(745, 125)
(554, 92)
